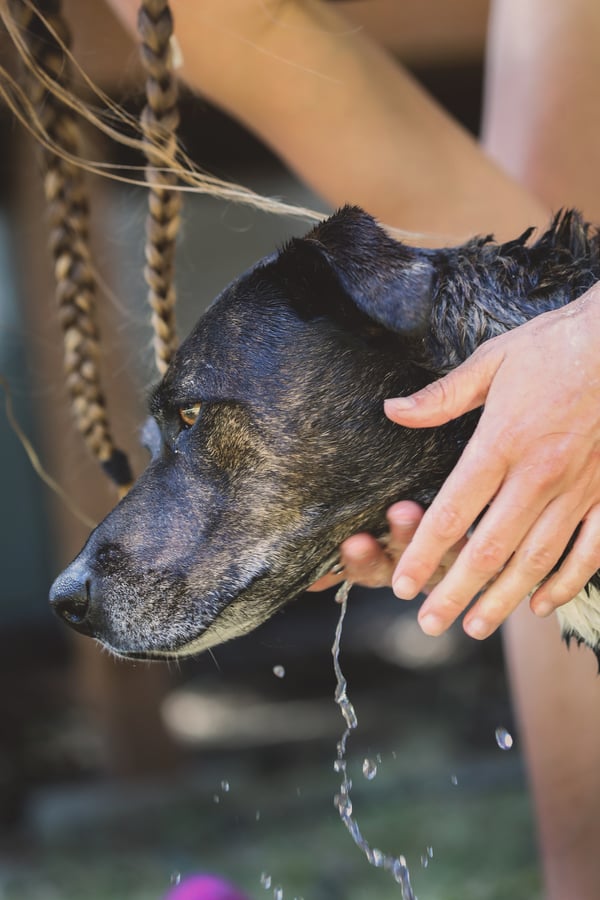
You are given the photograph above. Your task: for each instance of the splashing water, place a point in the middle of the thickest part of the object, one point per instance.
(369, 769)
(394, 864)
(504, 739)
(426, 857)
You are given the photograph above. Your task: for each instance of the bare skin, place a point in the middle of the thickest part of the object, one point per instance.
(353, 124)
(541, 482)
(345, 116)
(541, 478)
(368, 562)
(530, 122)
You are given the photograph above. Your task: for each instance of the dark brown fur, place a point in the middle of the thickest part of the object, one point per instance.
(291, 452)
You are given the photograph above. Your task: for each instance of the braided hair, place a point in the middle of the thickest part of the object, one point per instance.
(159, 121)
(46, 35)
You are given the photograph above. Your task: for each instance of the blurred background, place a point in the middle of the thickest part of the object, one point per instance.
(118, 779)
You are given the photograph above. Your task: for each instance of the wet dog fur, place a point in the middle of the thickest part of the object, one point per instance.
(291, 452)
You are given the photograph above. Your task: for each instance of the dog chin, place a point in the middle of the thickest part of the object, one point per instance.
(208, 638)
(231, 622)
(212, 636)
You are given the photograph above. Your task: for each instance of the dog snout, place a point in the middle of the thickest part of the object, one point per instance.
(70, 598)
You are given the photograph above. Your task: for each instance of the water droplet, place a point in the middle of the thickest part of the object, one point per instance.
(175, 878)
(265, 881)
(369, 769)
(339, 765)
(504, 739)
(401, 875)
(424, 860)
(454, 779)
(343, 804)
(298, 792)
(257, 815)
(279, 671)
(216, 798)
(278, 893)
(225, 786)
(377, 858)
(430, 852)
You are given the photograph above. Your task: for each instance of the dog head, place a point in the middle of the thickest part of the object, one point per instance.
(268, 439)
(269, 446)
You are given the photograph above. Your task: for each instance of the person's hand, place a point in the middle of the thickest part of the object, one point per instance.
(534, 461)
(369, 562)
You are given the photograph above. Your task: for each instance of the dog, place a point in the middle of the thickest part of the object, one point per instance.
(267, 435)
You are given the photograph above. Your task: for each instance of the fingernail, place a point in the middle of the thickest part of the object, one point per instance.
(398, 404)
(403, 521)
(543, 608)
(405, 588)
(431, 625)
(477, 628)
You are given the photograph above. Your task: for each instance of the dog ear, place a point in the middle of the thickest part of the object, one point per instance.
(386, 280)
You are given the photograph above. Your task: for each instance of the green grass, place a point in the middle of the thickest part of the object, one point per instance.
(480, 831)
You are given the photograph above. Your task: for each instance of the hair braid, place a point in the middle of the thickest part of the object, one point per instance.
(68, 211)
(159, 122)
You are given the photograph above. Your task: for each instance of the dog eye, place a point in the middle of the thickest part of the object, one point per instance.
(189, 414)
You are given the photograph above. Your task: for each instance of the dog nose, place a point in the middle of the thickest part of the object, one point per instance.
(70, 599)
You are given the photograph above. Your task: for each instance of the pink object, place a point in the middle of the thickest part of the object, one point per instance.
(205, 887)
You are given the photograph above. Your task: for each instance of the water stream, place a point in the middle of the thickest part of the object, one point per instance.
(396, 865)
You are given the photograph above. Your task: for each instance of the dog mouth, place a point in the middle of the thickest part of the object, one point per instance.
(234, 619)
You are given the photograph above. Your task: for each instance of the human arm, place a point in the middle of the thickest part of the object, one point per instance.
(545, 131)
(344, 115)
(348, 142)
(550, 54)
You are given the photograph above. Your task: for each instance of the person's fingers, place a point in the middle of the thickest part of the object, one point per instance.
(458, 392)
(537, 554)
(465, 493)
(521, 536)
(403, 519)
(363, 560)
(532, 461)
(366, 562)
(524, 509)
(369, 562)
(582, 562)
(327, 581)
(444, 567)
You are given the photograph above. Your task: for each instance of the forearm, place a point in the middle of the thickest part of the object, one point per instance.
(345, 116)
(542, 124)
(542, 120)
